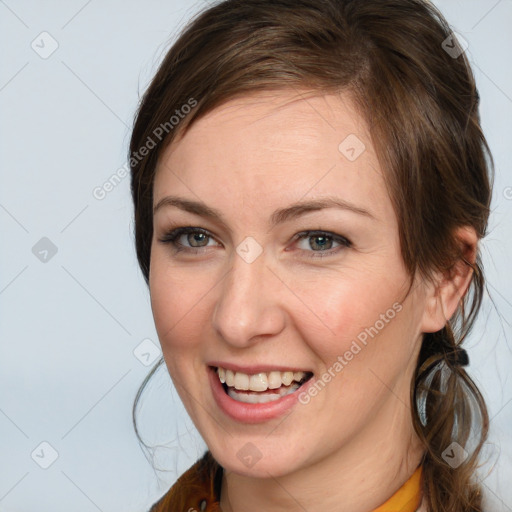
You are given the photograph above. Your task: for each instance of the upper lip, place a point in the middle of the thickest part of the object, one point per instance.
(260, 368)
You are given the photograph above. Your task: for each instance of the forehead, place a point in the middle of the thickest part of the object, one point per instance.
(274, 146)
(274, 119)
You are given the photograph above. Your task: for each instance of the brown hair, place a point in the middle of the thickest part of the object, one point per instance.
(421, 105)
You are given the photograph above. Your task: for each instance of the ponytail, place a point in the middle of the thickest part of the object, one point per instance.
(450, 417)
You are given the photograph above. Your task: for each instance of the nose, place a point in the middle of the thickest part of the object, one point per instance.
(248, 303)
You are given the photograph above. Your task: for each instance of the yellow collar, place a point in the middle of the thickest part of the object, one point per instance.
(407, 498)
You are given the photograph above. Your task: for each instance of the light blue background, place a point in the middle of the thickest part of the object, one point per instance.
(68, 327)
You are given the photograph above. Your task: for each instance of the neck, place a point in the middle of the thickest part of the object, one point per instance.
(358, 477)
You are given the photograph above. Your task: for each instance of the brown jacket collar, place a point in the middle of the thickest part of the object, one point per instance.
(197, 490)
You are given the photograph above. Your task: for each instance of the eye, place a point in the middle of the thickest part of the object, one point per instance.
(321, 242)
(188, 239)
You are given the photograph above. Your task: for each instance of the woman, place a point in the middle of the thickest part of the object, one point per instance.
(310, 185)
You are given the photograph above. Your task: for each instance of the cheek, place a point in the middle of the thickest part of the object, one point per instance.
(177, 305)
(343, 310)
(369, 343)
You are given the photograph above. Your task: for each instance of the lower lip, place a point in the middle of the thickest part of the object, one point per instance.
(252, 413)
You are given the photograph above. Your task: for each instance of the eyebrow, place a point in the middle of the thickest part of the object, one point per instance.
(279, 216)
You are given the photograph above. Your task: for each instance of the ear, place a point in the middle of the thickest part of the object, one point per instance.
(443, 296)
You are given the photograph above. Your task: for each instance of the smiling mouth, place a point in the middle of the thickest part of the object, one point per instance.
(260, 387)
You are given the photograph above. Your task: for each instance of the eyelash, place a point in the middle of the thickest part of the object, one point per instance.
(171, 237)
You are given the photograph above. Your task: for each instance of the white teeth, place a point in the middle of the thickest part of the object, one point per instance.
(287, 378)
(259, 381)
(241, 381)
(230, 378)
(274, 380)
(256, 398)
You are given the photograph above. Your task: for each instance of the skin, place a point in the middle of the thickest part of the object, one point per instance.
(353, 445)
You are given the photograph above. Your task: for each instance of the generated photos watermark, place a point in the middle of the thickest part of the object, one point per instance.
(158, 134)
(355, 347)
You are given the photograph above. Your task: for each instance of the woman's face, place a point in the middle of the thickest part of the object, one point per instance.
(263, 285)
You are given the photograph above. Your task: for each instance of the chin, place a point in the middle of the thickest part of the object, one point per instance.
(258, 459)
